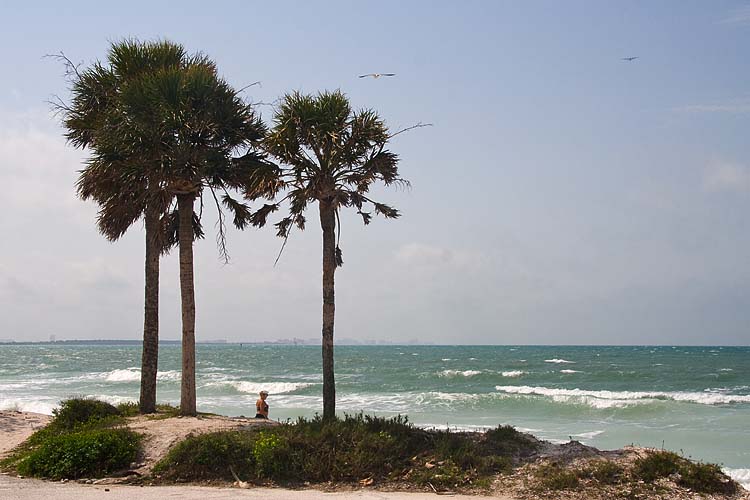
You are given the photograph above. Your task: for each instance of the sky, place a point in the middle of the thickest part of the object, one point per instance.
(562, 195)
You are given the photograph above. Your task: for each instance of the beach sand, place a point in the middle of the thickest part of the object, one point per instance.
(31, 489)
(16, 426)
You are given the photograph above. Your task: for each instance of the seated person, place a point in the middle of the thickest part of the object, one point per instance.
(261, 407)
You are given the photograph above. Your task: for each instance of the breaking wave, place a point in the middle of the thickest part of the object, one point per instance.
(608, 399)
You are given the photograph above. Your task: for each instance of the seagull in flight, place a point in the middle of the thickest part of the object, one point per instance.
(630, 59)
(377, 75)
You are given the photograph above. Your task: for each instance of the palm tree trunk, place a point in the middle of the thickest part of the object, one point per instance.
(150, 356)
(187, 293)
(328, 225)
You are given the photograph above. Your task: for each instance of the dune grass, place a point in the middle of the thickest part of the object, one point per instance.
(354, 449)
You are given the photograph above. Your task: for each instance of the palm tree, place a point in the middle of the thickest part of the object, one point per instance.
(200, 123)
(159, 137)
(88, 119)
(331, 155)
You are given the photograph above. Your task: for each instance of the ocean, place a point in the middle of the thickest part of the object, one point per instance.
(693, 400)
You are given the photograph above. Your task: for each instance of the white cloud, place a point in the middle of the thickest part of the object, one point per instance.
(423, 254)
(735, 107)
(739, 16)
(727, 177)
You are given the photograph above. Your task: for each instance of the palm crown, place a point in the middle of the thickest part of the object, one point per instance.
(328, 152)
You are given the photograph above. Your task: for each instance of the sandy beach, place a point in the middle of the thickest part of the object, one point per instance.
(31, 489)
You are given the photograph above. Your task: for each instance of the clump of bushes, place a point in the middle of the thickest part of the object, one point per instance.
(606, 472)
(698, 476)
(357, 448)
(90, 453)
(552, 476)
(645, 472)
(84, 439)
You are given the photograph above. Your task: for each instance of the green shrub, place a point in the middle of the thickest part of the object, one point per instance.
(507, 441)
(705, 478)
(350, 449)
(657, 465)
(446, 475)
(554, 477)
(210, 456)
(272, 456)
(75, 412)
(89, 453)
(606, 472)
(699, 477)
(128, 409)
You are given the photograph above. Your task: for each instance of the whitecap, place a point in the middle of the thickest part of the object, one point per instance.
(459, 373)
(271, 387)
(726, 370)
(608, 399)
(28, 405)
(134, 375)
(588, 435)
(513, 373)
(742, 476)
(556, 360)
(112, 399)
(123, 375)
(569, 371)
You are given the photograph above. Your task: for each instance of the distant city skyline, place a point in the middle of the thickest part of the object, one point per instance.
(562, 196)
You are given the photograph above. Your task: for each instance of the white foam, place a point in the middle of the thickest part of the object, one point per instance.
(588, 435)
(742, 476)
(726, 370)
(569, 371)
(112, 399)
(512, 373)
(124, 375)
(33, 406)
(446, 359)
(271, 387)
(608, 399)
(459, 373)
(558, 361)
(134, 375)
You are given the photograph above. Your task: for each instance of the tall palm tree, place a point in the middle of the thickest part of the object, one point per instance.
(200, 124)
(159, 137)
(329, 155)
(88, 121)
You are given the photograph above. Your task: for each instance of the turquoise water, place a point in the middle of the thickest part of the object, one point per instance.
(690, 399)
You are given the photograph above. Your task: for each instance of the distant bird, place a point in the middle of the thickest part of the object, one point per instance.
(630, 59)
(377, 75)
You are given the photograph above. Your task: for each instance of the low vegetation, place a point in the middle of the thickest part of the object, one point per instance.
(84, 439)
(697, 476)
(89, 439)
(646, 475)
(357, 449)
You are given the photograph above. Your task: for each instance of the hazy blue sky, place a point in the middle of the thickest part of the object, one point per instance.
(562, 196)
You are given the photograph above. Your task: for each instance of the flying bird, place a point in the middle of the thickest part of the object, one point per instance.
(630, 59)
(377, 75)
